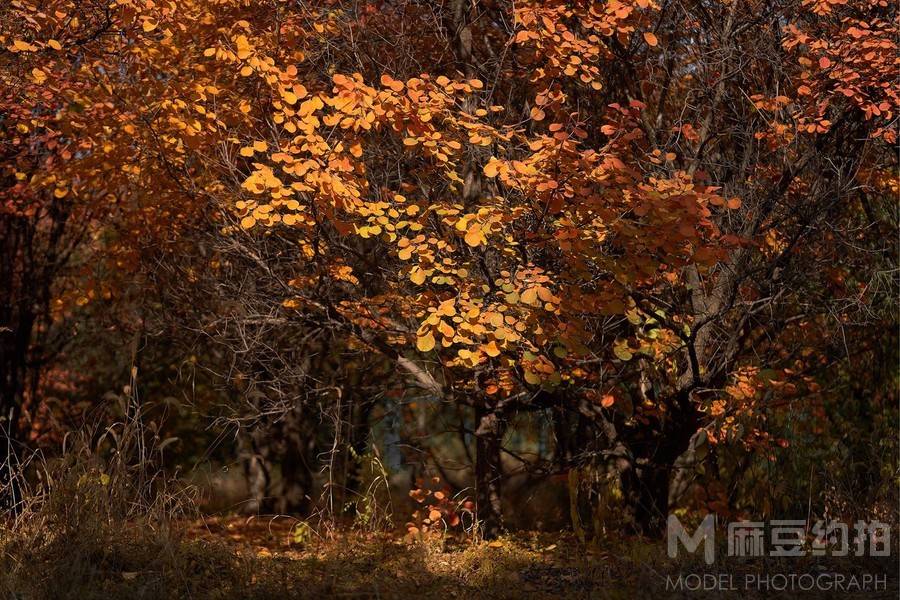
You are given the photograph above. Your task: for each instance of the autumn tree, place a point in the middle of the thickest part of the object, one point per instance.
(83, 194)
(615, 210)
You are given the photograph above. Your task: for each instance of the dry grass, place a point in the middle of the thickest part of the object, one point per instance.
(102, 523)
(230, 558)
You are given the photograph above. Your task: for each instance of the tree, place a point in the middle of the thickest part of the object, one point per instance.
(611, 209)
(83, 195)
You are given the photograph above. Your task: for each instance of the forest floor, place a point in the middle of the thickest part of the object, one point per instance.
(261, 558)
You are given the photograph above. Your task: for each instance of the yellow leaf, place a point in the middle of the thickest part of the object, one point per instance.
(446, 330)
(622, 351)
(148, 25)
(260, 146)
(529, 296)
(289, 97)
(474, 236)
(21, 46)
(491, 349)
(248, 222)
(417, 276)
(243, 47)
(54, 44)
(492, 167)
(496, 544)
(447, 308)
(310, 106)
(246, 151)
(425, 343)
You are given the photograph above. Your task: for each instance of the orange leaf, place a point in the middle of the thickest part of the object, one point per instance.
(650, 38)
(491, 349)
(21, 46)
(474, 236)
(417, 276)
(425, 343)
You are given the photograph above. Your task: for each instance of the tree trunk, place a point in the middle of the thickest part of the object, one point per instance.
(14, 343)
(256, 473)
(490, 428)
(10, 486)
(653, 469)
(685, 469)
(296, 478)
(649, 491)
(295, 451)
(358, 446)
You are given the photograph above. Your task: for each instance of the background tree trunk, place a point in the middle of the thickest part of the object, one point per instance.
(490, 428)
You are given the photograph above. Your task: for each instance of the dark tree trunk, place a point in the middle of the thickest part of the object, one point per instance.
(296, 478)
(490, 427)
(358, 446)
(295, 453)
(287, 444)
(14, 342)
(256, 473)
(648, 480)
(648, 490)
(32, 251)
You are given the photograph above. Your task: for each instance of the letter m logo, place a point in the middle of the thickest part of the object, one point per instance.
(705, 533)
